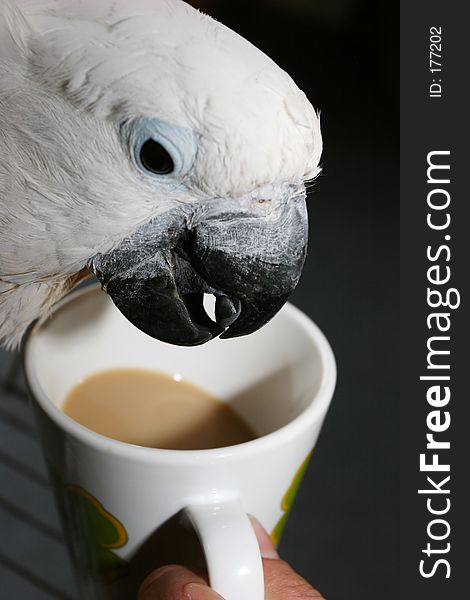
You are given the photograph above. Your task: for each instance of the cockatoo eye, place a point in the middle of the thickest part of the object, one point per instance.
(160, 149)
(156, 159)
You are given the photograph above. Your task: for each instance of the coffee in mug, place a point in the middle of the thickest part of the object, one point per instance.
(152, 409)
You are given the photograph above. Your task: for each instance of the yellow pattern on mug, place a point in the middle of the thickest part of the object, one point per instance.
(95, 533)
(288, 501)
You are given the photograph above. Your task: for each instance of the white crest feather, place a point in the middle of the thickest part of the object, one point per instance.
(14, 31)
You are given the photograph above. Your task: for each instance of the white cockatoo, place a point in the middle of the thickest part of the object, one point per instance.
(150, 145)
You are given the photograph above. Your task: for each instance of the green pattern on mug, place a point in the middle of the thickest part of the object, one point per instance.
(93, 534)
(288, 501)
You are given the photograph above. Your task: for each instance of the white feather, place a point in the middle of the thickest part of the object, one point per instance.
(71, 71)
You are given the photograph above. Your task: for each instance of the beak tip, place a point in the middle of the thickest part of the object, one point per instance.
(227, 311)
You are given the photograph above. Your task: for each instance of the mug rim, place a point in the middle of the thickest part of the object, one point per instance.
(314, 412)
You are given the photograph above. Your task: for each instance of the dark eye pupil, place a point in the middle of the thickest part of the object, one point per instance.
(156, 159)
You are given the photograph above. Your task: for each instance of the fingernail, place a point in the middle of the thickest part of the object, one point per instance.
(199, 591)
(267, 548)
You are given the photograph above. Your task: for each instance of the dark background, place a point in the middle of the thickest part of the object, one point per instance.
(343, 532)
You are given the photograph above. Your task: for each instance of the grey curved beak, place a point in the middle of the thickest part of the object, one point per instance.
(248, 256)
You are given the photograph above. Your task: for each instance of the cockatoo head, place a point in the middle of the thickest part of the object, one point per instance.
(153, 146)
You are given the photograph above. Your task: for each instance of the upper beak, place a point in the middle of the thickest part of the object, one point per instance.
(248, 252)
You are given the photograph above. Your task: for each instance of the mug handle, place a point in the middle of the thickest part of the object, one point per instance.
(231, 549)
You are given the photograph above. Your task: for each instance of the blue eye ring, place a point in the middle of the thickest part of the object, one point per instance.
(168, 148)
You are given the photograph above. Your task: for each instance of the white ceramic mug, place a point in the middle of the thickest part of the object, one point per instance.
(115, 497)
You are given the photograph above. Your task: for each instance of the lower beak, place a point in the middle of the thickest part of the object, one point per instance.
(249, 257)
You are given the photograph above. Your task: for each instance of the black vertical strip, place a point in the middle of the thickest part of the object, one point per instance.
(427, 125)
